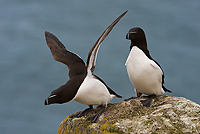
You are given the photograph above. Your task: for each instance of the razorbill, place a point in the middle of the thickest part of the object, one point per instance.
(83, 86)
(144, 72)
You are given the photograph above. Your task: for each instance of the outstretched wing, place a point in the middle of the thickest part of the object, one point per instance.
(75, 64)
(91, 61)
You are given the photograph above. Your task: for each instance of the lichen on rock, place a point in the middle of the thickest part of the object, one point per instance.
(167, 114)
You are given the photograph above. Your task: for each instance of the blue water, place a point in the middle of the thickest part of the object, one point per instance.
(28, 72)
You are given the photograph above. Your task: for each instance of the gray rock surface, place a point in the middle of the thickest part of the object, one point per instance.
(167, 114)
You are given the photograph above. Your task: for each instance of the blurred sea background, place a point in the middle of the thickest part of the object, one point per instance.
(28, 72)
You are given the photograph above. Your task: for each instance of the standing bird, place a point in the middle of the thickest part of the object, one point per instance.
(144, 72)
(83, 86)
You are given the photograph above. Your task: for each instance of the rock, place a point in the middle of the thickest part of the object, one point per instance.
(167, 114)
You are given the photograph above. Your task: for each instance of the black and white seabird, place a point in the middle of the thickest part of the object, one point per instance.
(83, 86)
(144, 72)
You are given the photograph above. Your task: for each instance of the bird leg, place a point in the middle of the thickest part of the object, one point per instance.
(138, 94)
(147, 103)
(84, 112)
(95, 118)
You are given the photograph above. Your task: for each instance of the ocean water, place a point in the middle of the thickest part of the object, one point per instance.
(28, 72)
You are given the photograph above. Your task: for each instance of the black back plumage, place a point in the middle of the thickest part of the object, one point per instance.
(77, 68)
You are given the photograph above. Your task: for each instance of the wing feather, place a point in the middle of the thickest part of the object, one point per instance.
(91, 61)
(75, 64)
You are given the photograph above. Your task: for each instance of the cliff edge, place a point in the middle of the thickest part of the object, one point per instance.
(167, 114)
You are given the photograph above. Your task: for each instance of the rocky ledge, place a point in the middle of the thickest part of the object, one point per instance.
(166, 114)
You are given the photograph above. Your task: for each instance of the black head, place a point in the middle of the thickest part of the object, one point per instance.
(137, 37)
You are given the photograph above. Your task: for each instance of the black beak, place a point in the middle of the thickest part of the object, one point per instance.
(127, 36)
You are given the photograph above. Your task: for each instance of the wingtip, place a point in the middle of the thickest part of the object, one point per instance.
(169, 91)
(124, 12)
(119, 96)
(166, 90)
(47, 34)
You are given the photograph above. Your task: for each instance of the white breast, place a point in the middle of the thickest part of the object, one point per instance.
(93, 92)
(144, 73)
